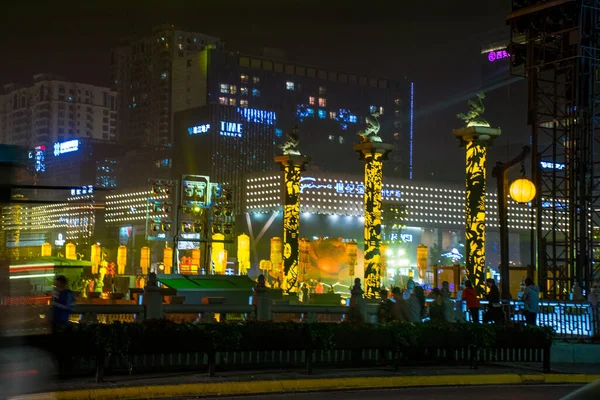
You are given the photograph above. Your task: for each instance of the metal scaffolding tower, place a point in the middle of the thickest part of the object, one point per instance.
(555, 45)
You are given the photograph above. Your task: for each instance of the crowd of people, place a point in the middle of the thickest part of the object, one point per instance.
(408, 304)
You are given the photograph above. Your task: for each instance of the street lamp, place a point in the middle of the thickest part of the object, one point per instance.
(521, 190)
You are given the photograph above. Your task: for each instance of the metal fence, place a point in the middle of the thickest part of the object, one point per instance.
(569, 319)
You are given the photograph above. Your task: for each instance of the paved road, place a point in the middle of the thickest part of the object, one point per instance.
(528, 392)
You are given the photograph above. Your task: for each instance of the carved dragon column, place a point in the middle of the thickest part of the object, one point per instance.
(373, 154)
(292, 165)
(475, 138)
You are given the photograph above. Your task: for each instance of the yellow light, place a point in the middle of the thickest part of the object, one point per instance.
(243, 253)
(70, 251)
(168, 259)
(522, 190)
(219, 255)
(121, 259)
(95, 257)
(196, 209)
(145, 259)
(46, 250)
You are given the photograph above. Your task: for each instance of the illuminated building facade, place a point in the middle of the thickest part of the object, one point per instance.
(332, 206)
(143, 76)
(330, 106)
(103, 164)
(54, 110)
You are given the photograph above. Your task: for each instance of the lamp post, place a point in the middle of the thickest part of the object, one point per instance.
(500, 173)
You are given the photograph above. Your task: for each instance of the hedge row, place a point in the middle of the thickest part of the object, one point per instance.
(162, 336)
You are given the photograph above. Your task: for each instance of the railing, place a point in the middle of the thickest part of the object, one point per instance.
(569, 319)
(301, 312)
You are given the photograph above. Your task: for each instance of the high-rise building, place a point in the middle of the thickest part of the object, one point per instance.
(52, 110)
(232, 110)
(330, 106)
(142, 76)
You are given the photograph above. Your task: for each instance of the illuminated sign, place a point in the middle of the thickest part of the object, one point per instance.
(89, 189)
(349, 188)
(199, 130)
(232, 129)
(66, 147)
(497, 55)
(308, 182)
(557, 205)
(405, 237)
(38, 158)
(549, 165)
(258, 116)
(60, 241)
(195, 191)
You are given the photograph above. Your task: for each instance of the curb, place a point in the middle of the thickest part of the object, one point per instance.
(307, 385)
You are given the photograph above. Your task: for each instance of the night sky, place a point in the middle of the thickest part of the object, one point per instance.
(435, 43)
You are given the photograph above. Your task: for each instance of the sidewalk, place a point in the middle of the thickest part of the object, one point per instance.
(281, 381)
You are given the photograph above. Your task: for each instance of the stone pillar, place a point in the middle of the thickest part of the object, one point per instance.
(373, 154)
(475, 139)
(261, 300)
(292, 166)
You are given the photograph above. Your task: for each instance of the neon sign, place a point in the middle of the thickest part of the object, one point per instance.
(60, 241)
(349, 188)
(198, 130)
(549, 165)
(231, 129)
(497, 55)
(258, 116)
(38, 158)
(89, 189)
(308, 182)
(66, 147)
(405, 237)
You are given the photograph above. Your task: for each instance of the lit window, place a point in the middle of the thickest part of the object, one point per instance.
(243, 103)
(232, 89)
(224, 88)
(372, 109)
(322, 102)
(244, 91)
(331, 137)
(289, 85)
(381, 110)
(311, 100)
(232, 102)
(332, 114)
(244, 78)
(255, 92)
(322, 114)
(352, 118)
(223, 100)
(341, 140)
(397, 102)
(255, 79)
(322, 90)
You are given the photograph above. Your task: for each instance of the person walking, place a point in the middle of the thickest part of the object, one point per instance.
(470, 296)
(61, 304)
(531, 301)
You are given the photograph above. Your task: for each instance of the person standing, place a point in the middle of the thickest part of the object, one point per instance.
(384, 313)
(531, 301)
(470, 296)
(62, 303)
(494, 311)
